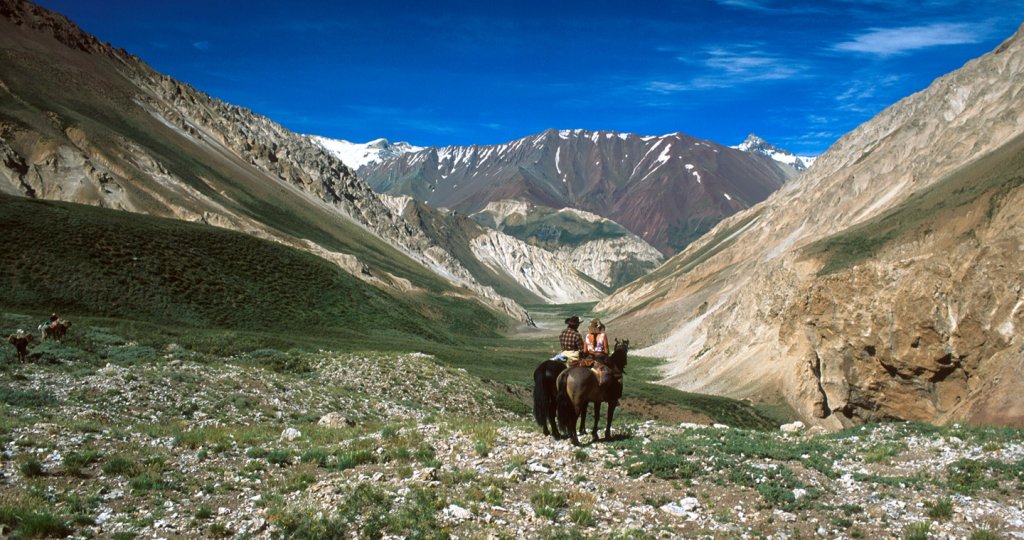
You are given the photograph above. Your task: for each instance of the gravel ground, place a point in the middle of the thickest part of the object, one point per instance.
(398, 446)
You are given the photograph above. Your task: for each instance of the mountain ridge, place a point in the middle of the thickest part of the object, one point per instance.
(127, 137)
(667, 190)
(885, 334)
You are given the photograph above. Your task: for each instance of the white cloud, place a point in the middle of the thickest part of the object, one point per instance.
(663, 87)
(202, 45)
(746, 4)
(893, 41)
(720, 68)
(863, 89)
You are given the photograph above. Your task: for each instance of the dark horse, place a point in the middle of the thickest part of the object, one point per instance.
(578, 386)
(544, 394)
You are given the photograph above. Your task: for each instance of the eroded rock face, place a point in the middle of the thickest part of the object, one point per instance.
(937, 339)
(925, 326)
(540, 271)
(613, 261)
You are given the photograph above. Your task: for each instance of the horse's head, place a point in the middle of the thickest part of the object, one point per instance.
(618, 356)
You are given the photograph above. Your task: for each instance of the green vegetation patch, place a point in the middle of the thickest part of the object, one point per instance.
(18, 397)
(725, 454)
(24, 519)
(128, 266)
(367, 512)
(551, 229)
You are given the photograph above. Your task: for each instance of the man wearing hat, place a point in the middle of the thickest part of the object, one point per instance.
(570, 341)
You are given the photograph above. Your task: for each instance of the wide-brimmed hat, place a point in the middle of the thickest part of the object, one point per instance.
(574, 320)
(595, 325)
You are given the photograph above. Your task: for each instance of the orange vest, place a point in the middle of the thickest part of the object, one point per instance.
(596, 344)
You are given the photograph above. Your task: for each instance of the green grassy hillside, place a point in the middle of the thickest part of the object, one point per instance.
(54, 91)
(87, 261)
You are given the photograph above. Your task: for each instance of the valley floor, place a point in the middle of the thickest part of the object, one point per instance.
(160, 444)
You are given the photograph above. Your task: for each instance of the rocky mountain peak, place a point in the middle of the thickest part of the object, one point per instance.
(357, 155)
(666, 189)
(757, 145)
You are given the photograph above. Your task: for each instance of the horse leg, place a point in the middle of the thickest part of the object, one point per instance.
(568, 410)
(608, 426)
(572, 426)
(597, 418)
(552, 418)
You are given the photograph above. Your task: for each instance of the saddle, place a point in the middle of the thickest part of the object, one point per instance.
(598, 368)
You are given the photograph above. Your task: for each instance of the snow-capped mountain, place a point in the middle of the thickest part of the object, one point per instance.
(668, 189)
(757, 145)
(356, 155)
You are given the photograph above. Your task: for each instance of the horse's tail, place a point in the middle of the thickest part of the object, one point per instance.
(566, 410)
(540, 397)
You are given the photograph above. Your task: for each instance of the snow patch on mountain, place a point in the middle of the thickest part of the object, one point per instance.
(356, 155)
(757, 145)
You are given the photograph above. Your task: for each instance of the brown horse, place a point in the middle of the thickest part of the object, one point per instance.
(578, 386)
(20, 340)
(55, 331)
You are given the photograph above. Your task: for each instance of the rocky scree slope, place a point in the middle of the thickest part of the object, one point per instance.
(885, 282)
(667, 190)
(84, 122)
(512, 267)
(598, 247)
(164, 443)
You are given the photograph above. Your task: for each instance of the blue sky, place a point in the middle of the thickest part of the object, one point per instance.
(799, 74)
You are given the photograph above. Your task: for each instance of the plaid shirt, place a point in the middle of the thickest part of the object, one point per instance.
(570, 340)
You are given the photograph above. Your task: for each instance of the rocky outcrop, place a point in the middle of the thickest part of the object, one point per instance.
(540, 271)
(881, 283)
(496, 258)
(612, 261)
(598, 247)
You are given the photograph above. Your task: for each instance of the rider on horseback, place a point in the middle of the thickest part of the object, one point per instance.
(595, 347)
(570, 341)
